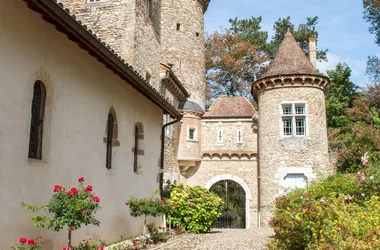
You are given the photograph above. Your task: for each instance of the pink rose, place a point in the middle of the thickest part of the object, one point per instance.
(88, 188)
(69, 193)
(81, 179)
(74, 190)
(57, 188)
(31, 242)
(101, 247)
(22, 240)
(96, 199)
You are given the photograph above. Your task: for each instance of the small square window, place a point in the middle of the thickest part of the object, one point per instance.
(287, 109)
(192, 134)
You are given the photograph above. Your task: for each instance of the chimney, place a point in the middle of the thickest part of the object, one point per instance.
(313, 51)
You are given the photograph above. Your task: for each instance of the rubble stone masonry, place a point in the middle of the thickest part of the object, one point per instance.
(308, 152)
(182, 43)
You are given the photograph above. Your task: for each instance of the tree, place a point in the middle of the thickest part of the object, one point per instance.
(252, 33)
(372, 16)
(339, 96)
(372, 94)
(231, 63)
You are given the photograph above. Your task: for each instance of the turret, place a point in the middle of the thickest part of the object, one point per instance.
(292, 124)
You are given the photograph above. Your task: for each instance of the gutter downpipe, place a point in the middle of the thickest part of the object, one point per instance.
(178, 118)
(258, 177)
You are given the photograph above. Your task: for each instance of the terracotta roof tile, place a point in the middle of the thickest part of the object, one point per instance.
(290, 60)
(231, 106)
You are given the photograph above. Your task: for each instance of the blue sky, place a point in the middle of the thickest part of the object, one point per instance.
(341, 27)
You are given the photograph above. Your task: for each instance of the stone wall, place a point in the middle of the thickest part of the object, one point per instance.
(230, 128)
(184, 48)
(308, 154)
(127, 28)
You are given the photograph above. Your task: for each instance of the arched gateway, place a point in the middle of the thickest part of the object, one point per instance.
(236, 196)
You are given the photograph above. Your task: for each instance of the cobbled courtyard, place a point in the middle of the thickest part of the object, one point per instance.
(221, 239)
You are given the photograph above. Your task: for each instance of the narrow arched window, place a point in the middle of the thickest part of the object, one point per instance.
(37, 120)
(136, 149)
(110, 131)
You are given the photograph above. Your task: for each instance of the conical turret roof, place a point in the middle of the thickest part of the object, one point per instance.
(290, 60)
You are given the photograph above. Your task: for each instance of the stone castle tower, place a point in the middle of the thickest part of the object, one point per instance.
(293, 146)
(182, 44)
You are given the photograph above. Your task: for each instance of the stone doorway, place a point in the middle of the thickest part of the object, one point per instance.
(234, 198)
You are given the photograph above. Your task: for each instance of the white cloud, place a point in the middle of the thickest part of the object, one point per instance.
(358, 67)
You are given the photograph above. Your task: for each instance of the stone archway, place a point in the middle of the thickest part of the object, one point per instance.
(248, 193)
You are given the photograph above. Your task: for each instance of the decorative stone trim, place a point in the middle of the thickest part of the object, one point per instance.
(241, 182)
(289, 81)
(229, 155)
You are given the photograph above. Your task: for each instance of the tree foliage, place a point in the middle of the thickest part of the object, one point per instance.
(237, 56)
(372, 16)
(231, 63)
(339, 96)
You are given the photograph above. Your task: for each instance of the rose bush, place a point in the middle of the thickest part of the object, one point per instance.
(194, 208)
(362, 139)
(69, 209)
(28, 244)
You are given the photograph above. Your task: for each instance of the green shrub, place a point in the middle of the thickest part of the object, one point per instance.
(362, 139)
(194, 208)
(338, 212)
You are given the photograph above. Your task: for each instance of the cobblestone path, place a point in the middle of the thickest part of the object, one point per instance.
(222, 239)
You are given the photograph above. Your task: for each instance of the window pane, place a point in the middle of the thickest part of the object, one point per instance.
(292, 181)
(287, 123)
(300, 126)
(300, 109)
(191, 134)
(286, 109)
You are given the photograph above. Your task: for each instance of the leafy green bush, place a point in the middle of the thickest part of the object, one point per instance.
(339, 212)
(194, 208)
(70, 209)
(25, 244)
(363, 139)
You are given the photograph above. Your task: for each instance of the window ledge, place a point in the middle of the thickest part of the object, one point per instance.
(189, 140)
(110, 171)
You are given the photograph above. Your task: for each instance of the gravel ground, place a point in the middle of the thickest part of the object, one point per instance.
(221, 239)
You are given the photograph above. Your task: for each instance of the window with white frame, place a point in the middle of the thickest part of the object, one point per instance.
(293, 119)
(239, 136)
(168, 118)
(293, 181)
(220, 136)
